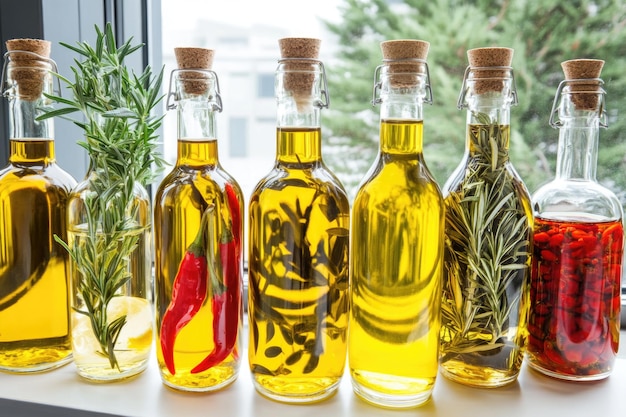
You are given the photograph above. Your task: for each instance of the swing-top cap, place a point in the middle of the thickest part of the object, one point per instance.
(27, 70)
(481, 59)
(400, 55)
(299, 83)
(187, 58)
(584, 69)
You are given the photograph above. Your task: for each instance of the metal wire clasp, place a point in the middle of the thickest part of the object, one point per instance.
(378, 83)
(461, 103)
(555, 122)
(5, 87)
(215, 101)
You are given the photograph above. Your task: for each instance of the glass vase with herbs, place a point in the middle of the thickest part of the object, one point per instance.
(198, 214)
(396, 247)
(34, 269)
(298, 259)
(109, 213)
(578, 242)
(488, 236)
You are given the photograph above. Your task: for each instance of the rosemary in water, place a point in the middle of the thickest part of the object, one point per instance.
(120, 138)
(487, 246)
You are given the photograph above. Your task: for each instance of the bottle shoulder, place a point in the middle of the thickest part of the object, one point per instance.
(49, 177)
(576, 199)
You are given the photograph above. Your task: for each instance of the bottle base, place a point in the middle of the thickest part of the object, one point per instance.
(567, 377)
(102, 375)
(39, 368)
(197, 384)
(478, 376)
(393, 401)
(295, 390)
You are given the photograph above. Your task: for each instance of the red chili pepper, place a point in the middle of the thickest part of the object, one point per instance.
(188, 294)
(226, 301)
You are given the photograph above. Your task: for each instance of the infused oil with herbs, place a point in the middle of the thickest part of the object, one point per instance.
(298, 241)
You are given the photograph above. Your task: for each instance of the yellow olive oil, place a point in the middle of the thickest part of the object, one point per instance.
(298, 273)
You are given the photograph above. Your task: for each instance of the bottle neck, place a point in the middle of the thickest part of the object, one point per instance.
(489, 127)
(578, 147)
(196, 119)
(297, 146)
(31, 142)
(197, 153)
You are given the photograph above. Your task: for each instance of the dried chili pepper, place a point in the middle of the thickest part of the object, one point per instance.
(226, 301)
(575, 296)
(188, 293)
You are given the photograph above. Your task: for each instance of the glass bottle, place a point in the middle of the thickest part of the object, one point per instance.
(34, 276)
(298, 263)
(397, 245)
(573, 325)
(198, 216)
(488, 231)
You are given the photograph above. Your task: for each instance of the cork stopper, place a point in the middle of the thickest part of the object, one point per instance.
(480, 59)
(299, 84)
(398, 55)
(28, 71)
(584, 69)
(194, 82)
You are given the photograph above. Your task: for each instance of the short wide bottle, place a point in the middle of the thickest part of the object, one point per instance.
(397, 246)
(34, 268)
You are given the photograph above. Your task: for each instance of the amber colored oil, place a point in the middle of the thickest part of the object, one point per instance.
(196, 181)
(298, 274)
(34, 281)
(396, 271)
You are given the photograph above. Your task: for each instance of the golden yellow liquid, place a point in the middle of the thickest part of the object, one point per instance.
(196, 182)
(486, 355)
(298, 274)
(396, 272)
(34, 280)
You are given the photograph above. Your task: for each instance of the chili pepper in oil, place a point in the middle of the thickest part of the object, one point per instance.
(226, 301)
(188, 293)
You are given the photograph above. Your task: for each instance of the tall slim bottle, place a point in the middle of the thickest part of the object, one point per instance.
(397, 245)
(578, 243)
(198, 237)
(34, 268)
(298, 263)
(488, 234)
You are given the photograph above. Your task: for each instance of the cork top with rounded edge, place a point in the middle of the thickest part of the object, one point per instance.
(299, 83)
(482, 58)
(404, 49)
(581, 69)
(194, 82)
(29, 72)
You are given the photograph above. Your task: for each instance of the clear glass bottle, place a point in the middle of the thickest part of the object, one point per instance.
(573, 325)
(298, 241)
(34, 275)
(198, 280)
(397, 245)
(488, 232)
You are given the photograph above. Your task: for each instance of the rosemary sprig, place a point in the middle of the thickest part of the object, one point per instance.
(120, 138)
(487, 246)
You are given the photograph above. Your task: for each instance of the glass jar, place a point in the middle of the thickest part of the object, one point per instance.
(397, 245)
(298, 240)
(109, 236)
(198, 241)
(573, 325)
(34, 273)
(488, 233)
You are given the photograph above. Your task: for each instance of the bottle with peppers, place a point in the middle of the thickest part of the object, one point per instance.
(488, 232)
(396, 258)
(298, 263)
(198, 241)
(573, 326)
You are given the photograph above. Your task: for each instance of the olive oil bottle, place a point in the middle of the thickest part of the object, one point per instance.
(298, 246)
(397, 245)
(488, 236)
(198, 228)
(34, 274)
